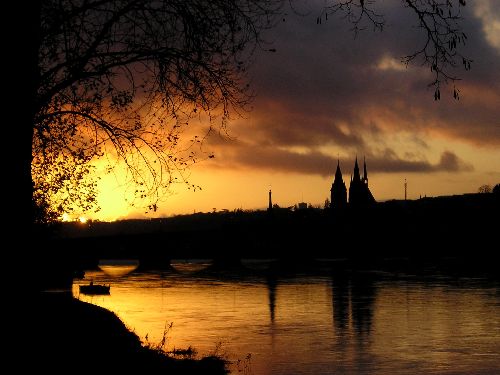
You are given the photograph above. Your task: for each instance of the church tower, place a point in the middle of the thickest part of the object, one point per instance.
(338, 191)
(359, 193)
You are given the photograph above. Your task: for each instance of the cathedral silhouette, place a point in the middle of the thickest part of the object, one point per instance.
(359, 192)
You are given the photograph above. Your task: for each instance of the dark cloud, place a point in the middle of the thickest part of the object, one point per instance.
(280, 126)
(241, 155)
(390, 163)
(323, 87)
(451, 163)
(321, 76)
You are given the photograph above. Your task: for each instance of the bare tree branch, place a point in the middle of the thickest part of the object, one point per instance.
(125, 77)
(438, 20)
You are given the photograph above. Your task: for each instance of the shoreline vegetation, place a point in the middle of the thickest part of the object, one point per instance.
(75, 336)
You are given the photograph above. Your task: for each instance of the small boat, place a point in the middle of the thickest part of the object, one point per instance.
(94, 289)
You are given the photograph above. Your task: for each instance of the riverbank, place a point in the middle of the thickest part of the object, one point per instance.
(70, 335)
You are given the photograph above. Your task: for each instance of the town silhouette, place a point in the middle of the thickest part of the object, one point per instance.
(353, 226)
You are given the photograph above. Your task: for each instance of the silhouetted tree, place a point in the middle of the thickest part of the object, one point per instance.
(326, 205)
(496, 189)
(123, 78)
(62, 186)
(484, 189)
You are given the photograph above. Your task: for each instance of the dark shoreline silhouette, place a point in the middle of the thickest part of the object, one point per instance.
(71, 336)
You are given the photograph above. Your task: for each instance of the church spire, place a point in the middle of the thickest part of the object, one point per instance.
(338, 172)
(338, 190)
(356, 171)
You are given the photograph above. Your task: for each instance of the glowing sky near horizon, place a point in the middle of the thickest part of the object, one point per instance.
(325, 95)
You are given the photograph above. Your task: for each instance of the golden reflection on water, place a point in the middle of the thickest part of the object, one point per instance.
(314, 325)
(118, 267)
(443, 328)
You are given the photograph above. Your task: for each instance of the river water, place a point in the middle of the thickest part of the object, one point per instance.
(281, 320)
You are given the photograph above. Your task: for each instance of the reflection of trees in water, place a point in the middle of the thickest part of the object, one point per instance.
(353, 297)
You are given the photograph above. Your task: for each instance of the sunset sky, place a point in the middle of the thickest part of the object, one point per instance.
(325, 94)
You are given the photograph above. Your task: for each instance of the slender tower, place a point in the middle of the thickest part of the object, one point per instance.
(356, 178)
(365, 173)
(338, 192)
(270, 201)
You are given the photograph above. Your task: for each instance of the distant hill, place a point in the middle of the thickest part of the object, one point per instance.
(458, 204)
(396, 224)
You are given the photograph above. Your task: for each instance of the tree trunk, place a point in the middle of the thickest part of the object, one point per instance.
(21, 75)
